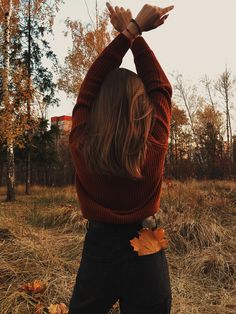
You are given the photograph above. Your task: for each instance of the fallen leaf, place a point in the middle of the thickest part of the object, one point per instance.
(36, 286)
(39, 308)
(169, 183)
(149, 241)
(60, 308)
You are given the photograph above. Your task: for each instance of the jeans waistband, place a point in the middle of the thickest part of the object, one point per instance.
(149, 222)
(104, 225)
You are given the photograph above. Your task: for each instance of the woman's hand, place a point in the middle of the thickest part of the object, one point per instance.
(150, 17)
(119, 17)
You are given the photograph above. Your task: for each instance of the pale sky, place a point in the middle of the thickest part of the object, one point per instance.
(198, 38)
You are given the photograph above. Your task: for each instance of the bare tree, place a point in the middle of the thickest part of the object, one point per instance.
(208, 84)
(187, 95)
(190, 99)
(224, 85)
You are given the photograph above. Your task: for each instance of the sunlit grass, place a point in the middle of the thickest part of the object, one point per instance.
(42, 234)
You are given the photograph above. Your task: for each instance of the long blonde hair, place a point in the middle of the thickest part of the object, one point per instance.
(121, 117)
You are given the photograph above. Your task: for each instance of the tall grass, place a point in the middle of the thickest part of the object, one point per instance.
(42, 234)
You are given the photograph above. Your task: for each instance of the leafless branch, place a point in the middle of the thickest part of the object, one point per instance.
(89, 14)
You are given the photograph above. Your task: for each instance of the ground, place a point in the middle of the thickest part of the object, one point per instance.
(42, 234)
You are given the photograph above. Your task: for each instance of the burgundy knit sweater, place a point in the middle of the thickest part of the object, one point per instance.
(109, 198)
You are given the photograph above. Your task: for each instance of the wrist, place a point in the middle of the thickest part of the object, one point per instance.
(137, 26)
(139, 22)
(128, 35)
(131, 32)
(133, 28)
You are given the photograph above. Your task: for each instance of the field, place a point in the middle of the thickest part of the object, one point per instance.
(41, 237)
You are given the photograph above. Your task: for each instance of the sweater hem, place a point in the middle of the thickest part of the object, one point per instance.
(115, 218)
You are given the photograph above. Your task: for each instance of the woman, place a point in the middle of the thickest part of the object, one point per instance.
(118, 142)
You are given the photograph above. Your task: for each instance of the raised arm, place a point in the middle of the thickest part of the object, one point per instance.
(148, 68)
(110, 58)
(157, 86)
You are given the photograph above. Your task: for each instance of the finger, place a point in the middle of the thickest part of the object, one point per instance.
(162, 20)
(122, 9)
(117, 9)
(129, 13)
(164, 17)
(110, 8)
(167, 9)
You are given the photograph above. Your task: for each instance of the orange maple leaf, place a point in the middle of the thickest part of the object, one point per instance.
(60, 308)
(36, 286)
(169, 183)
(149, 241)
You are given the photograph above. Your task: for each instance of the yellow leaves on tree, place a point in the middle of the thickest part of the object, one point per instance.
(149, 241)
(88, 41)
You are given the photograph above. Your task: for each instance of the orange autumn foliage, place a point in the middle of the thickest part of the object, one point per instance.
(149, 241)
(87, 44)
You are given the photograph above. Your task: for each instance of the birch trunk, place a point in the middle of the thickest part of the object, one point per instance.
(224, 85)
(207, 83)
(10, 173)
(183, 94)
(28, 151)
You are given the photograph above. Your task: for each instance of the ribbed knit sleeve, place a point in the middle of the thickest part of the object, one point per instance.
(157, 86)
(109, 198)
(110, 58)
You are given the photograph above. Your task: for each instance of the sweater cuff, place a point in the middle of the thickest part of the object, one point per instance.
(139, 45)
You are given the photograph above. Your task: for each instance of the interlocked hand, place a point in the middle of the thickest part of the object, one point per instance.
(119, 17)
(150, 16)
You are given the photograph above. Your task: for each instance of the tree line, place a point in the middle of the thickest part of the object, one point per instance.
(202, 143)
(26, 84)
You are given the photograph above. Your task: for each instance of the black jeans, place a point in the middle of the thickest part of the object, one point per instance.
(111, 270)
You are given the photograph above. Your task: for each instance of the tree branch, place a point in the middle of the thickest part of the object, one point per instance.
(89, 14)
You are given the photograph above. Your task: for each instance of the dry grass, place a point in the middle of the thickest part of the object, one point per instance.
(41, 237)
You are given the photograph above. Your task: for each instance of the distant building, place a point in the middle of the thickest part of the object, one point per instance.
(64, 123)
(64, 158)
